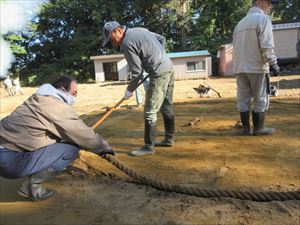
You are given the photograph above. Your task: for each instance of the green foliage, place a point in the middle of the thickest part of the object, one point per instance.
(287, 10)
(67, 32)
(31, 79)
(216, 22)
(15, 44)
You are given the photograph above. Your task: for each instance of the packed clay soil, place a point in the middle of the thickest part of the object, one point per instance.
(209, 154)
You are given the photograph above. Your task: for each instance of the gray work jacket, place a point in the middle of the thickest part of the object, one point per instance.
(144, 50)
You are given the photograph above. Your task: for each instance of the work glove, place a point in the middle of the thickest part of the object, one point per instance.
(274, 69)
(127, 94)
(106, 149)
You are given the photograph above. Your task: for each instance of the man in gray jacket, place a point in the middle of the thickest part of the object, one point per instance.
(253, 59)
(43, 135)
(144, 50)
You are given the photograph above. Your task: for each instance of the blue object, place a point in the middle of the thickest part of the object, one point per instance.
(188, 54)
(138, 91)
(20, 164)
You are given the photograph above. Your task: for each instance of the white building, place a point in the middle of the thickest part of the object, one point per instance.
(187, 65)
(286, 38)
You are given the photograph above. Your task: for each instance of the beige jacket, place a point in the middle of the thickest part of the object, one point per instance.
(253, 45)
(45, 120)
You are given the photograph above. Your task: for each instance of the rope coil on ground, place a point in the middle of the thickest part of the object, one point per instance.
(204, 193)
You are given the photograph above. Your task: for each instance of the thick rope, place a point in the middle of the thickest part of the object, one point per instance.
(194, 191)
(258, 196)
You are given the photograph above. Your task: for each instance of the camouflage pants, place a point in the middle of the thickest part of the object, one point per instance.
(159, 96)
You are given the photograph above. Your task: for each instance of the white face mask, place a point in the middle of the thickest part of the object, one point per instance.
(70, 99)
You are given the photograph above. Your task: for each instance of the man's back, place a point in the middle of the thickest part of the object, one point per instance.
(252, 33)
(31, 122)
(143, 50)
(43, 120)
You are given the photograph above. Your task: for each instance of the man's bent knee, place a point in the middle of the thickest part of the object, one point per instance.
(70, 152)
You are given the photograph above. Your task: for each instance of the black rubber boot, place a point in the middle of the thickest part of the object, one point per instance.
(258, 124)
(169, 133)
(149, 139)
(245, 122)
(32, 187)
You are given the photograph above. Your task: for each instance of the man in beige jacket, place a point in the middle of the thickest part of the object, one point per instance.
(43, 135)
(253, 59)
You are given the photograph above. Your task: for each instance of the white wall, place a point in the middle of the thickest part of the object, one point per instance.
(123, 69)
(99, 73)
(285, 42)
(208, 66)
(181, 72)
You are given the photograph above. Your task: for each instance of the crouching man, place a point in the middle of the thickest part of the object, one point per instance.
(43, 135)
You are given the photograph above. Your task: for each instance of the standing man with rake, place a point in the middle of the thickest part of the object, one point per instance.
(144, 50)
(253, 59)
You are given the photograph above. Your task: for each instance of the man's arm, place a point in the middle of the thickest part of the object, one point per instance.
(267, 45)
(135, 66)
(74, 130)
(266, 41)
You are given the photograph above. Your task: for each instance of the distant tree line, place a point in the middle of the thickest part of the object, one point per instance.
(61, 39)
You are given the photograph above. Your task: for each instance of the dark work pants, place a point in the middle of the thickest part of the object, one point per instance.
(20, 164)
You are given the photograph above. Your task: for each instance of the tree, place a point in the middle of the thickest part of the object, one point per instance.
(287, 10)
(66, 33)
(214, 24)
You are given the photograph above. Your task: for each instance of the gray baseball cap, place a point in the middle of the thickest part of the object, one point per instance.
(107, 29)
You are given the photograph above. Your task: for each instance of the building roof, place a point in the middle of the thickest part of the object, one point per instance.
(115, 56)
(188, 54)
(171, 55)
(284, 26)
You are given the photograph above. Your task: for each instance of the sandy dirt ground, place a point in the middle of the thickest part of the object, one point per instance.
(210, 154)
